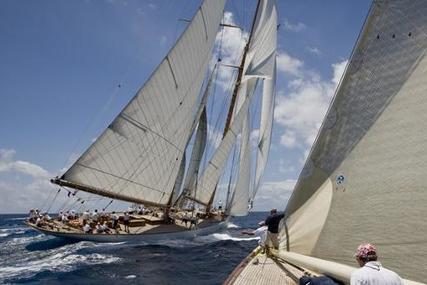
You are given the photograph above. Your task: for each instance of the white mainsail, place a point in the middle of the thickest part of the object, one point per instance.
(365, 178)
(240, 198)
(137, 158)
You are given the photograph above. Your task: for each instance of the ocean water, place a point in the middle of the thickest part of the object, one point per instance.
(29, 257)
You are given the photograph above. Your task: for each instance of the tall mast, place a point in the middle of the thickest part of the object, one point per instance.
(240, 74)
(235, 91)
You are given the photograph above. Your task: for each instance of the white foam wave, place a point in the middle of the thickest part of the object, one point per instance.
(4, 235)
(63, 259)
(224, 236)
(16, 219)
(130, 277)
(232, 226)
(23, 240)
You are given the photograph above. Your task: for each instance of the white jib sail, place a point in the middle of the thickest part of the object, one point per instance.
(261, 58)
(213, 171)
(196, 154)
(137, 158)
(240, 199)
(178, 181)
(265, 129)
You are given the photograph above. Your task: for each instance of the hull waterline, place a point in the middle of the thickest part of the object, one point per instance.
(143, 237)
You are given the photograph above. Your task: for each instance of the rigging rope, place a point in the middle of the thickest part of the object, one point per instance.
(54, 198)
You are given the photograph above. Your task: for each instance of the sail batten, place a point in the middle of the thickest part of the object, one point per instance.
(143, 147)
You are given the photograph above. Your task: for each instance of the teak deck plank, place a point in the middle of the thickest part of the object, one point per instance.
(266, 271)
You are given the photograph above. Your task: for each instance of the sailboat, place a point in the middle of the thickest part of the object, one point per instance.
(141, 156)
(365, 177)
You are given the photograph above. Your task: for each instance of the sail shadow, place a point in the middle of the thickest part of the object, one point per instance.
(49, 244)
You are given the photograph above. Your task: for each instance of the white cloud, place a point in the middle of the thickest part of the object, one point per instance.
(214, 137)
(289, 64)
(301, 111)
(152, 6)
(339, 69)
(274, 194)
(23, 184)
(7, 164)
(314, 50)
(254, 138)
(231, 41)
(294, 27)
(285, 167)
(288, 139)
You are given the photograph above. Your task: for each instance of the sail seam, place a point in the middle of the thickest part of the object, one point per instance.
(204, 22)
(118, 177)
(134, 122)
(173, 74)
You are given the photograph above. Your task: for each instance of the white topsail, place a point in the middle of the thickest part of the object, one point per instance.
(137, 158)
(365, 177)
(261, 58)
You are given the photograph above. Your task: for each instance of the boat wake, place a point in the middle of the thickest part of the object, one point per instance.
(224, 236)
(232, 226)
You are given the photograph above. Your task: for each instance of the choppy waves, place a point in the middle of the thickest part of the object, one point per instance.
(20, 258)
(27, 256)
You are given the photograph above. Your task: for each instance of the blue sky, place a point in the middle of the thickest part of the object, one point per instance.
(61, 63)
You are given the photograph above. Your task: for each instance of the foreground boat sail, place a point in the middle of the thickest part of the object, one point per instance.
(365, 177)
(141, 156)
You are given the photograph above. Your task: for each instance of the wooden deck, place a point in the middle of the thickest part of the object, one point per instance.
(263, 270)
(259, 269)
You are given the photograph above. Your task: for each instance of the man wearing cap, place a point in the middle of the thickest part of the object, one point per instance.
(371, 271)
(272, 222)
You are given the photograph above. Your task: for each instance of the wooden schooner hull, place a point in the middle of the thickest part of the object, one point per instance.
(153, 237)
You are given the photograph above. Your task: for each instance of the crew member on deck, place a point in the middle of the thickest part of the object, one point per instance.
(260, 232)
(87, 229)
(126, 219)
(272, 223)
(371, 271)
(114, 220)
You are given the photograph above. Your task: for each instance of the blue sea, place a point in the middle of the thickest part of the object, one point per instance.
(29, 257)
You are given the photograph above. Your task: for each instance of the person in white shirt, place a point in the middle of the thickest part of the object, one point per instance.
(99, 228)
(87, 229)
(95, 216)
(64, 218)
(371, 271)
(85, 216)
(260, 232)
